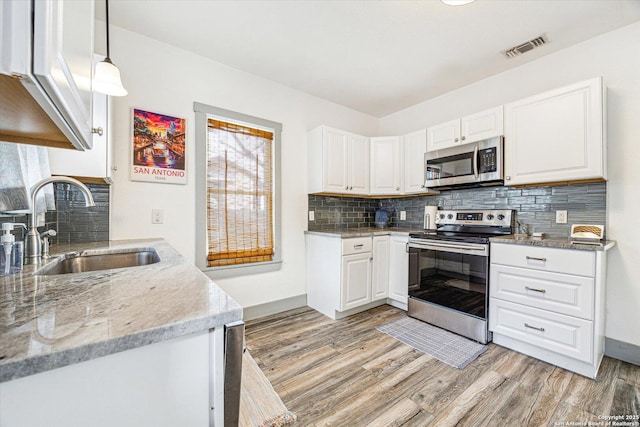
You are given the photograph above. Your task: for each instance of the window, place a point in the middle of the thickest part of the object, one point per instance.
(238, 160)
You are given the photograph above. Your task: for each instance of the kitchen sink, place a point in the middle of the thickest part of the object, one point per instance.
(75, 262)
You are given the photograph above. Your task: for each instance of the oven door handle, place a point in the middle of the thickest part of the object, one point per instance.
(475, 161)
(448, 245)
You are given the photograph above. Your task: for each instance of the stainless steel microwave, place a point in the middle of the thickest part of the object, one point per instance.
(476, 164)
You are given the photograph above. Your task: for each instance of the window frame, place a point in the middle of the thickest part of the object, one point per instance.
(202, 113)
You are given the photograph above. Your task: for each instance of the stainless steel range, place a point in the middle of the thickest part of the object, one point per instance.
(449, 270)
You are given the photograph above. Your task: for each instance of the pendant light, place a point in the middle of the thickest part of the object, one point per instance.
(107, 76)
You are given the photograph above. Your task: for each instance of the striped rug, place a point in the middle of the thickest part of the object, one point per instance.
(445, 346)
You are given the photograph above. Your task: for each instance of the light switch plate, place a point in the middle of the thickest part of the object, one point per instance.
(312, 216)
(157, 216)
(403, 215)
(561, 217)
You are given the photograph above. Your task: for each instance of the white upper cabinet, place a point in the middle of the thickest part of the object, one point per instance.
(94, 163)
(475, 127)
(414, 146)
(358, 164)
(386, 174)
(444, 135)
(556, 136)
(48, 45)
(337, 162)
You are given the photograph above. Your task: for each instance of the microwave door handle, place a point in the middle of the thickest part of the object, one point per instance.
(475, 161)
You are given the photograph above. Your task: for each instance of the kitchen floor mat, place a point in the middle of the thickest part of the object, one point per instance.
(445, 346)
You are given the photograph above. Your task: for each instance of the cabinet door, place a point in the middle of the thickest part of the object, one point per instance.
(358, 164)
(399, 269)
(380, 272)
(94, 163)
(482, 125)
(556, 136)
(356, 281)
(63, 59)
(414, 146)
(444, 135)
(334, 161)
(385, 165)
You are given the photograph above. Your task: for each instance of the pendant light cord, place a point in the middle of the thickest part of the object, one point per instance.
(106, 2)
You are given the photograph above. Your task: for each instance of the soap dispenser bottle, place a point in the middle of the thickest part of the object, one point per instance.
(11, 252)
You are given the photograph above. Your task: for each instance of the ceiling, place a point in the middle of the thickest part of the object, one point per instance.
(377, 57)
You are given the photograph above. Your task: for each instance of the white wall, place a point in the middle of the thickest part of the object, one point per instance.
(615, 56)
(164, 79)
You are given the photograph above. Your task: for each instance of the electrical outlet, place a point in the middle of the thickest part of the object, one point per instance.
(312, 216)
(157, 216)
(561, 217)
(403, 215)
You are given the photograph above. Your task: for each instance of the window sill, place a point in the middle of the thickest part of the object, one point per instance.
(242, 269)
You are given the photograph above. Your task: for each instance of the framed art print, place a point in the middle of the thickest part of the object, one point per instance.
(159, 148)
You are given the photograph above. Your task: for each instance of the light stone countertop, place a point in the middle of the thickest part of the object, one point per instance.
(347, 233)
(554, 242)
(47, 322)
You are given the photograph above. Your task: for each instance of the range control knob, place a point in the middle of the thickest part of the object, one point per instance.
(450, 216)
(441, 216)
(500, 217)
(490, 217)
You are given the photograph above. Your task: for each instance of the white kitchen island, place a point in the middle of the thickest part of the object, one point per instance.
(131, 346)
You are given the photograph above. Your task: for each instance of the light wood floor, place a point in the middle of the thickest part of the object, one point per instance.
(346, 373)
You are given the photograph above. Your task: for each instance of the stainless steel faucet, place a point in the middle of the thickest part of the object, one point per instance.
(32, 243)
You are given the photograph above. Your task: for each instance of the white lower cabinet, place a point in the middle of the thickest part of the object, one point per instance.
(356, 281)
(345, 276)
(399, 271)
(380, 268)
(548, 303)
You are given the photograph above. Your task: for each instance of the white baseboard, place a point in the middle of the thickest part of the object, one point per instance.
(273, 307)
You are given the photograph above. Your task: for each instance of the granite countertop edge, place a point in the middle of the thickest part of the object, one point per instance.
(218, 310)
(554, 242)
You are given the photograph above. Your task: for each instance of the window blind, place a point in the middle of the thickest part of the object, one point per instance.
(239, 194)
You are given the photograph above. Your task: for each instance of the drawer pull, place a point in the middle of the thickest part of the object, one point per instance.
(531, 258)
(526, 325)
(358, 246)
(542, 291)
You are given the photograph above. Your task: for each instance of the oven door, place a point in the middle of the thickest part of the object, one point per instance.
(453, 275)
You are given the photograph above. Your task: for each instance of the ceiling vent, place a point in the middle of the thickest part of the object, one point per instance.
(526, 47)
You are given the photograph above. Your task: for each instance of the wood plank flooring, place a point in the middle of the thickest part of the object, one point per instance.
(346, 373)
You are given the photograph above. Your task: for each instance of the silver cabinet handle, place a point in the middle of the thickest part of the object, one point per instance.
(463, 138)
(346, 188)
(542, 291)
(397, 188)
(422, 186)
(508, 178)
(351, 188)
(455, 140)
(371, 259)
(97, 130)
(532, 258)
(526, 325)
(357, 246)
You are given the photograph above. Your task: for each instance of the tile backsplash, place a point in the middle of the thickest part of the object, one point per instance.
(73, 222)
(535, 206)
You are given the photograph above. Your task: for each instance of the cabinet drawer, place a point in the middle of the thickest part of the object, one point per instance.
(568, 261)
(560, 293)
(356, 245)
(564, 335)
